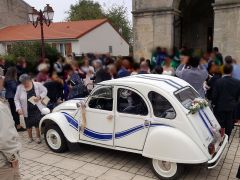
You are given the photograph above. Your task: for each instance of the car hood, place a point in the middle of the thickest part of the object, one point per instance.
(68, 105)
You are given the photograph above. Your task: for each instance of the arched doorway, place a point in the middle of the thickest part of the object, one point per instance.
(194, 25)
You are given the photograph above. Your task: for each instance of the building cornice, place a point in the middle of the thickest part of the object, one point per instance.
(26, 3)
(226, 5)
(155, 11)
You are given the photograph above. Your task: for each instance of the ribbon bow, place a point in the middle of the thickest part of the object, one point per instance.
(84, 119)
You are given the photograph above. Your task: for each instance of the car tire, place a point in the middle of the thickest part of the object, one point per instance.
(166, 170)
(55, 139)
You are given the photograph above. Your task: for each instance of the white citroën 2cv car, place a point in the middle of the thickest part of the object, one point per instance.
(157, 116)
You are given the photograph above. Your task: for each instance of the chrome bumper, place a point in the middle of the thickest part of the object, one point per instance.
(215, 160)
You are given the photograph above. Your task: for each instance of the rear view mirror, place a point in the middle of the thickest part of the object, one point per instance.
(90, 87)
(78, 105)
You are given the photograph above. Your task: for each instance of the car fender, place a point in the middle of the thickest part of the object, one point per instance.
(68, 125)
(170, 144)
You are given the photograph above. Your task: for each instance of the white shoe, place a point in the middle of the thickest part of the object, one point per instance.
(30, 140)
(38, 141)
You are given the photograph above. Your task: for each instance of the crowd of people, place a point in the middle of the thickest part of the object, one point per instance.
(72, 77)
(214, 78)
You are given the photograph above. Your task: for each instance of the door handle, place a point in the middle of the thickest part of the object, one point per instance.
(146, 123)
(109, 117)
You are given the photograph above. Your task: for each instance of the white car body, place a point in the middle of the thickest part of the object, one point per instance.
(181, 139)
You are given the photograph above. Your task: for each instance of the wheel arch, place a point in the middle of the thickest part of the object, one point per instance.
(45, 123)
(170, 144)
(63, 121)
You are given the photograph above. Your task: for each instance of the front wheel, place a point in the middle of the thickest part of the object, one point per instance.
(167, 170)
(55, 139)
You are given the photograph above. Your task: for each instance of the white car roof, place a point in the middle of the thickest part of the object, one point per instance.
(164, 82)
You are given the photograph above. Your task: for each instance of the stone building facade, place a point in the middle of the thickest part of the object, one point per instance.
(199, 24)
(13, 12)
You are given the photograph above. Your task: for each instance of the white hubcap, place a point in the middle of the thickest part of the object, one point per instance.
(53, 139)
(165, 169)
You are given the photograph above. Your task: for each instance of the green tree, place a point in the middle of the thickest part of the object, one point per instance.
(31, 51)
(85, 10)
(117, 15)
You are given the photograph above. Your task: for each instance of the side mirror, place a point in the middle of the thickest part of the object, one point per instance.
(78, 105)
(90, 87)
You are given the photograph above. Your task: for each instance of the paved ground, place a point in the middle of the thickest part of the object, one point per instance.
(91, 163)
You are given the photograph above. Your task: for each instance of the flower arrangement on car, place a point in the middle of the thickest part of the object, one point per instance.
(198, 104)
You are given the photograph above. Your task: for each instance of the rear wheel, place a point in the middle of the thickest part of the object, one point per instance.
(167, 170)
(55, 139)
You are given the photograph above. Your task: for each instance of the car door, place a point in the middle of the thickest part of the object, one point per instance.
(131, 113)
(99, 117)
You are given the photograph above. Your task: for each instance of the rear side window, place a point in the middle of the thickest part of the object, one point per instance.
(162, 108)
(186, 96)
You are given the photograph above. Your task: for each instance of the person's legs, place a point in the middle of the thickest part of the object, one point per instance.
(14, 113)
(29, 126)
(220, 117)
(229, 122)
(38, 140)
(9, 173)
(37, 132)
(29, 130)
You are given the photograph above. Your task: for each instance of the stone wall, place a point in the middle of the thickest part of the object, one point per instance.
(153, 26)
(13, 12)
(153, 31)
(227, 28)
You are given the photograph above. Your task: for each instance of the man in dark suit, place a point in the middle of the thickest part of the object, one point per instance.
(226, 95)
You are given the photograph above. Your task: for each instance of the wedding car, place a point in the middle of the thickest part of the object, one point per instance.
(160, 117)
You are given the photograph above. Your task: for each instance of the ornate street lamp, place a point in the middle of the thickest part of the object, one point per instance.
(45, 16)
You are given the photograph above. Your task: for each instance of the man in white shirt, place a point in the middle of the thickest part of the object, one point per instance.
(9, 146)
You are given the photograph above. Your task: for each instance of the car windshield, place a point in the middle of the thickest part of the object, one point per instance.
(186, 96)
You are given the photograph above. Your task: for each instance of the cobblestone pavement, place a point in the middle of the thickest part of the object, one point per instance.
(91, 163)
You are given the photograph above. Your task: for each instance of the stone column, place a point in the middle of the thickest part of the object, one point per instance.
(152, 28)
(227, 27)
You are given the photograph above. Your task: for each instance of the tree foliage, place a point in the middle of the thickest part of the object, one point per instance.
(85, 10)
(117, 15)
(31, 51)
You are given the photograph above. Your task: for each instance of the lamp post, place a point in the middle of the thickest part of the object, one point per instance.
(41, 17)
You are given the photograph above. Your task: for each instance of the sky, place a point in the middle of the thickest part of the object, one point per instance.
(61, 6)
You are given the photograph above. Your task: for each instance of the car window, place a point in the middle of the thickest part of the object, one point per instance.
(130, 102)
(102, 99)
(162, 108)
(186, 96)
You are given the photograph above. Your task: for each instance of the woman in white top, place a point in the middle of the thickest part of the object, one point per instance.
(28, 101)
(167, 68)
(89, 71)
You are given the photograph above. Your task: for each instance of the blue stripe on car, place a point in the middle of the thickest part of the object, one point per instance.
(168, 81)
(155, 125)
(159, 78)
(105, 136)
(73, 123)
(128, 132)
(206, 117)
(203, 119)
(96, 135)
